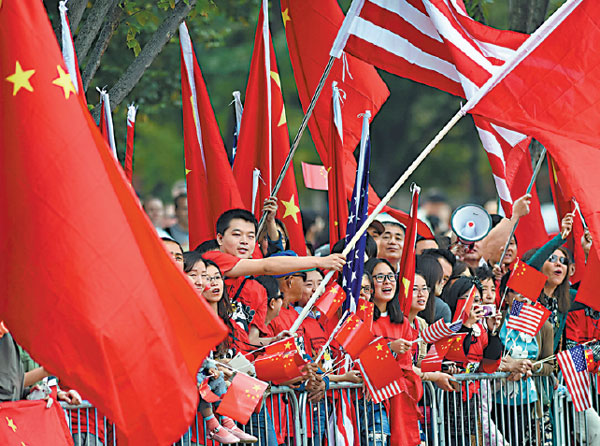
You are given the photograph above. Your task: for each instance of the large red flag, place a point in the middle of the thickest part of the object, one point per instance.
(211, 187)
(89, 289)
(264, 140)
(552, 94)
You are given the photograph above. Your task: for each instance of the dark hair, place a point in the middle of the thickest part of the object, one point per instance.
(431, 270)
(190, 258)
(223, 310)
(208, 245)
(271, 285)
(169, 239)
(561, 293)
(459, 267)
(457, 289)
(224, 220)
(393, 306)
(285, 235)
(443, 242)
(439, 253)
(370, 277)
(484, 273)
(370, 247)
(496, 219)
(177, 198)
(148, 199)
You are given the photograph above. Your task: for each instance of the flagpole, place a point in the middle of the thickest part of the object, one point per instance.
(296, 141)
(514, 228)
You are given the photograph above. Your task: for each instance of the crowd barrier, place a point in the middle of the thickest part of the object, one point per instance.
(486, 410)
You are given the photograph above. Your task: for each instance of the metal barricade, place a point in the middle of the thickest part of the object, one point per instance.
(279, 409)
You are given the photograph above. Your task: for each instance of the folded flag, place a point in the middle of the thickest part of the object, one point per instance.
(574, 367)
(527, 318)
(463, 306)
(242, 397)
(526, 280)
(440, 330)
(354, 336)
(380, 371)
(331, 300)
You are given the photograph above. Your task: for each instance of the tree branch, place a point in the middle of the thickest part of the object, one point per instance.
(91, 26)
(76, 10)
(110, 25)
(154, 46)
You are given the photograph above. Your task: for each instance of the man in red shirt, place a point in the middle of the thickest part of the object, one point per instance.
(236, 236)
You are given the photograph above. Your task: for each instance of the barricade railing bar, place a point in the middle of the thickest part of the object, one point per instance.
(486, 410)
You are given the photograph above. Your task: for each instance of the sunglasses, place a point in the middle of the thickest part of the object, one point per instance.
(554, 258)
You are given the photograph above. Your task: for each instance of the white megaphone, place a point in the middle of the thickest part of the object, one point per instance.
(470, 223)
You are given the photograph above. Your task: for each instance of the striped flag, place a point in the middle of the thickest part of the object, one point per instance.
(527, 318)
(106, 122)
(359, 208)
(435, 42)
(68, 50)
(440, 330)
(574, 367)
(128, 165)
(432, 362)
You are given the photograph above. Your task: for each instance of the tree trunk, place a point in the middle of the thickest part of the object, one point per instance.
(136, 69)
(112, 22)
(527, 15)
(91, 26)
(76, 10)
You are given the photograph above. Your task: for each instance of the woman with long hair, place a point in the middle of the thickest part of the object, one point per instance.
(391, 324)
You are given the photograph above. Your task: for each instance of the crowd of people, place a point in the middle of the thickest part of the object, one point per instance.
(259, 297)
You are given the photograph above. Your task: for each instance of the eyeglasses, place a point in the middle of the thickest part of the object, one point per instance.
(417, 291)
(554, 258)
(366, 289)
(211, 278)
(380, 278)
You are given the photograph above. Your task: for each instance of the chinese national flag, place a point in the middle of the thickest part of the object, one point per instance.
(264, 140)
(553, 95)
(407, 262)
(82, 265)
(432, 362)
(331, 300)
(315, 176)
(379, 364)
(365, 312)
(526, 280)
(286, 346)
(354, 336)
(206, 394)
(588, 289)
(242, 397)
(463, 306)
(277, 368)
(30, 423)
(211, 187)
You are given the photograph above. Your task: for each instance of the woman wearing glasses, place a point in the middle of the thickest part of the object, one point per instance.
(390, 323)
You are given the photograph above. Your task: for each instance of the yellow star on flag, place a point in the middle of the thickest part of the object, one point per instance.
(291, 210)
(288, 345)
(11, 424)
(20, 79)
(379, 347)
(64, 81)
(406, 284)
(187, 171)
(285, 15)
(363, 307)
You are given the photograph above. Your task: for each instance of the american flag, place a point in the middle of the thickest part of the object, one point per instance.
(574, 367)
(382, 394)
(440, 330)
(359, 207)
(435, 42)
(527, 318)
